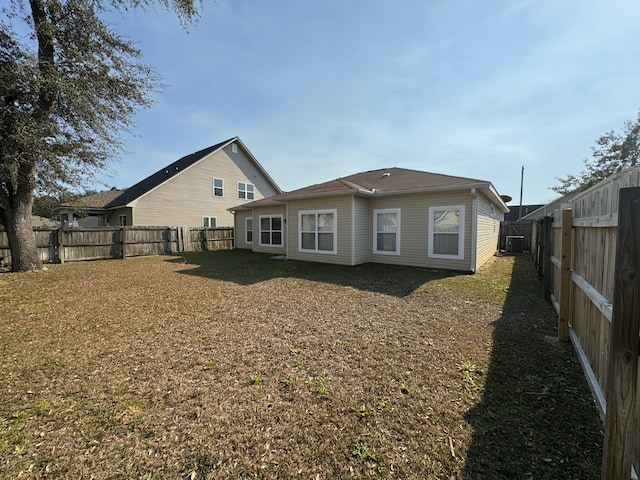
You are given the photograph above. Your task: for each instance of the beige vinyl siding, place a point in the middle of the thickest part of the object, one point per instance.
(269, 211)
(343, 204)
(239, 234)
(113, 217)
(414, 229)
(188, 196)
(489, 217)
(362, 231)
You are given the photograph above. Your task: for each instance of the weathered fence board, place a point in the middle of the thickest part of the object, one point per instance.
(620, 424)
(591, 309)
(515, 228)
(72, 244)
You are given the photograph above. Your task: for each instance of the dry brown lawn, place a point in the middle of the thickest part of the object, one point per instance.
(234, 365)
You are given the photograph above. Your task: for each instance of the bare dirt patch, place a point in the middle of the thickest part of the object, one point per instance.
(233, 365)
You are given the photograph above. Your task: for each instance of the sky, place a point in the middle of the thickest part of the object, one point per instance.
(323, 89)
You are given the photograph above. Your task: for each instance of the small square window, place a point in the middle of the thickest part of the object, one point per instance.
(245, 191)
(209, 222)
(271, 230)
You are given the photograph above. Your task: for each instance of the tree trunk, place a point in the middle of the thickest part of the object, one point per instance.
(17, 221)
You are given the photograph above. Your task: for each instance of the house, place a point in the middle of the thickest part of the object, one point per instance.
(547, 210)
(88, 211)
(196, 190)
(394, 215)
(514, 214)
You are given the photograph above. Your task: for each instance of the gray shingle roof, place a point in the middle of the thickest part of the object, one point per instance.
(98, 200)
(162, 175)
(379, 182)
(385, 180)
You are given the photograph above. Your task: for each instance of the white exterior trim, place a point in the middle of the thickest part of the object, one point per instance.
(474, 229)
(461, 226)
(397, 211)
(334, 250)
(276, 215)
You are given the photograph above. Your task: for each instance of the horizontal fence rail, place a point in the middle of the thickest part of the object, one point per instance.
(74, 244)
(578, 255)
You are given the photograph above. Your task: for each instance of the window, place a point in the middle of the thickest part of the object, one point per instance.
(248, 230)
(317, 231)
(446, 232)
(218, 187)
(209, 222)
(271, 230)
(245, 191)
(386, 231)
(122, 220)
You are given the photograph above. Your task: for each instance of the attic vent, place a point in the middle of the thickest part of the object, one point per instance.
(166, 171)
(386, 174)
(234, 148)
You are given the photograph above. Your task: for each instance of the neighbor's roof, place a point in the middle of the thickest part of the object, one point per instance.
(161, 176)
(385, 181)
(97, 200)
(548, 209)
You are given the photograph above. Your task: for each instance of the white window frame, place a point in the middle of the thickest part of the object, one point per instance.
(334, 250)
(248, 195)
(461, 229)
(375, 231)
(221, 187)
(260, 231)
(122, 220)
(248, 230)
(209, 220)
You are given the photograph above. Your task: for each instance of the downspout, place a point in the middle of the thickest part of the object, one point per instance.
(474, 229)
(286, 230)
(235, 229)
(353, 229)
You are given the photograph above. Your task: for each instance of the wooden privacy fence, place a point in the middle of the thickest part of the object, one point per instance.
(589, 258)
(69, 244)
(520, 228)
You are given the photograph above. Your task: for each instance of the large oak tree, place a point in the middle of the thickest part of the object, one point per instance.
(69, 87)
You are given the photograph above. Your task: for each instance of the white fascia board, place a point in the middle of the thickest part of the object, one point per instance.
(304, 196)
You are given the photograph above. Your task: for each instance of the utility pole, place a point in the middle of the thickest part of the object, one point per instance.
(521, 183)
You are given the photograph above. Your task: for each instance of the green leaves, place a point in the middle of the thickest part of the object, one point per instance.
(613, 153)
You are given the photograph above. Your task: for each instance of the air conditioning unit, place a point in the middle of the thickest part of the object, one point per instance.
(515, 243)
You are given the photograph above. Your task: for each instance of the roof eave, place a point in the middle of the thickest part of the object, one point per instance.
(332, 193)
(256, 163)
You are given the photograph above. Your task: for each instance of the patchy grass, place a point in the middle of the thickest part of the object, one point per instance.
(233, 365)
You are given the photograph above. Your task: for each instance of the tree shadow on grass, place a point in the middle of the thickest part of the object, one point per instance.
(244, 267)
(537, 419)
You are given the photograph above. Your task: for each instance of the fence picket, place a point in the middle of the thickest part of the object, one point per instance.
(68, 244)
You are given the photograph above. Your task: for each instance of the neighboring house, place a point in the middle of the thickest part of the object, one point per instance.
(196, 190)
(514, 212)
(38, 221)
(88, 211)
(395, 216)
(547, 210)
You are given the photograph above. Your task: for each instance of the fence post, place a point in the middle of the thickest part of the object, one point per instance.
(624, 348)
(548, 248)
(123, 242)
(565, 277)
(60, 238)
